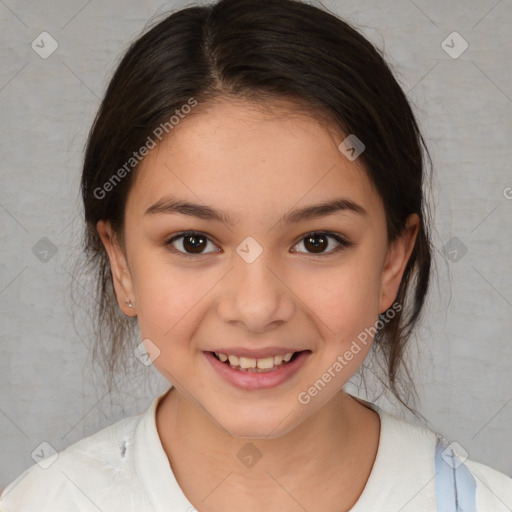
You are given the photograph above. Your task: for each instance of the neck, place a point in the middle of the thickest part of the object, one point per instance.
(334, 447)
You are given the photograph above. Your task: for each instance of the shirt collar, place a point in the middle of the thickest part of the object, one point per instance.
(403, 474)
(403, 450)
(153, 467)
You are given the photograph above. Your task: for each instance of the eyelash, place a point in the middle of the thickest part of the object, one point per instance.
(344, 244)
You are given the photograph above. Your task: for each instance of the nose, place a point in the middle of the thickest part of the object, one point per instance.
(255, 296)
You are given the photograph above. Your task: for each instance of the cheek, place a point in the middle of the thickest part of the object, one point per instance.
(170, 300)
(168, 313)
(344, 299)
(345, 307)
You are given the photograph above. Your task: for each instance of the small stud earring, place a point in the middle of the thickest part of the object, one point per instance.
(128, 303)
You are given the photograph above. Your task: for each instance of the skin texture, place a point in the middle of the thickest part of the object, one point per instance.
(257, 165)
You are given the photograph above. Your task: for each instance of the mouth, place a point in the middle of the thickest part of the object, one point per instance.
(253, 365)
(246, 374)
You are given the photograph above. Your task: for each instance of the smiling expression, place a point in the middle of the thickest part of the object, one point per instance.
(252, 233)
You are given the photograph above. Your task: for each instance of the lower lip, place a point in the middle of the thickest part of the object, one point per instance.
(254, 380)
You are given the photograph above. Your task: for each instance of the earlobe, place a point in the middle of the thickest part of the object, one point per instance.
(396, 260)
(121, 275)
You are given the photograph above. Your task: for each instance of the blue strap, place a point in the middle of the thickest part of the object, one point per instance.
(455, 485)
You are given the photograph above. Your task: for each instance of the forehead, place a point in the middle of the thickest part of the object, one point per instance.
(246, 159)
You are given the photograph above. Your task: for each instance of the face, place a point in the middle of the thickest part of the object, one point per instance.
(255, 277)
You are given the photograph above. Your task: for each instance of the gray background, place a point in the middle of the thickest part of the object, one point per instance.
(462, 353)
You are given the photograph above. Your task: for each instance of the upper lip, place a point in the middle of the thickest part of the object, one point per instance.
(257, 353)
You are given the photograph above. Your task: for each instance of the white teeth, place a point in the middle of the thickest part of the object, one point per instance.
(246, 363)
(266, 362)
(233, 360)
(278, 359)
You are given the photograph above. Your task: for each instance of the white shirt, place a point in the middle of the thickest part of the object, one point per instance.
(124, 467)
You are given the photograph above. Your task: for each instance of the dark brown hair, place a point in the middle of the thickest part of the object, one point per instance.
(258, 50)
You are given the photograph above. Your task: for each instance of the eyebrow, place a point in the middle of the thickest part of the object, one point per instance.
(172, 205)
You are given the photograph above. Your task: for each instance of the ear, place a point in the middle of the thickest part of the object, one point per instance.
(396, 260)
(121, 275)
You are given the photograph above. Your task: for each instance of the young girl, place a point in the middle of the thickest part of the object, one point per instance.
(253, 195)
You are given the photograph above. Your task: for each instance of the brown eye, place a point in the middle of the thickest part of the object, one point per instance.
(317, 243)
(192, 243)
